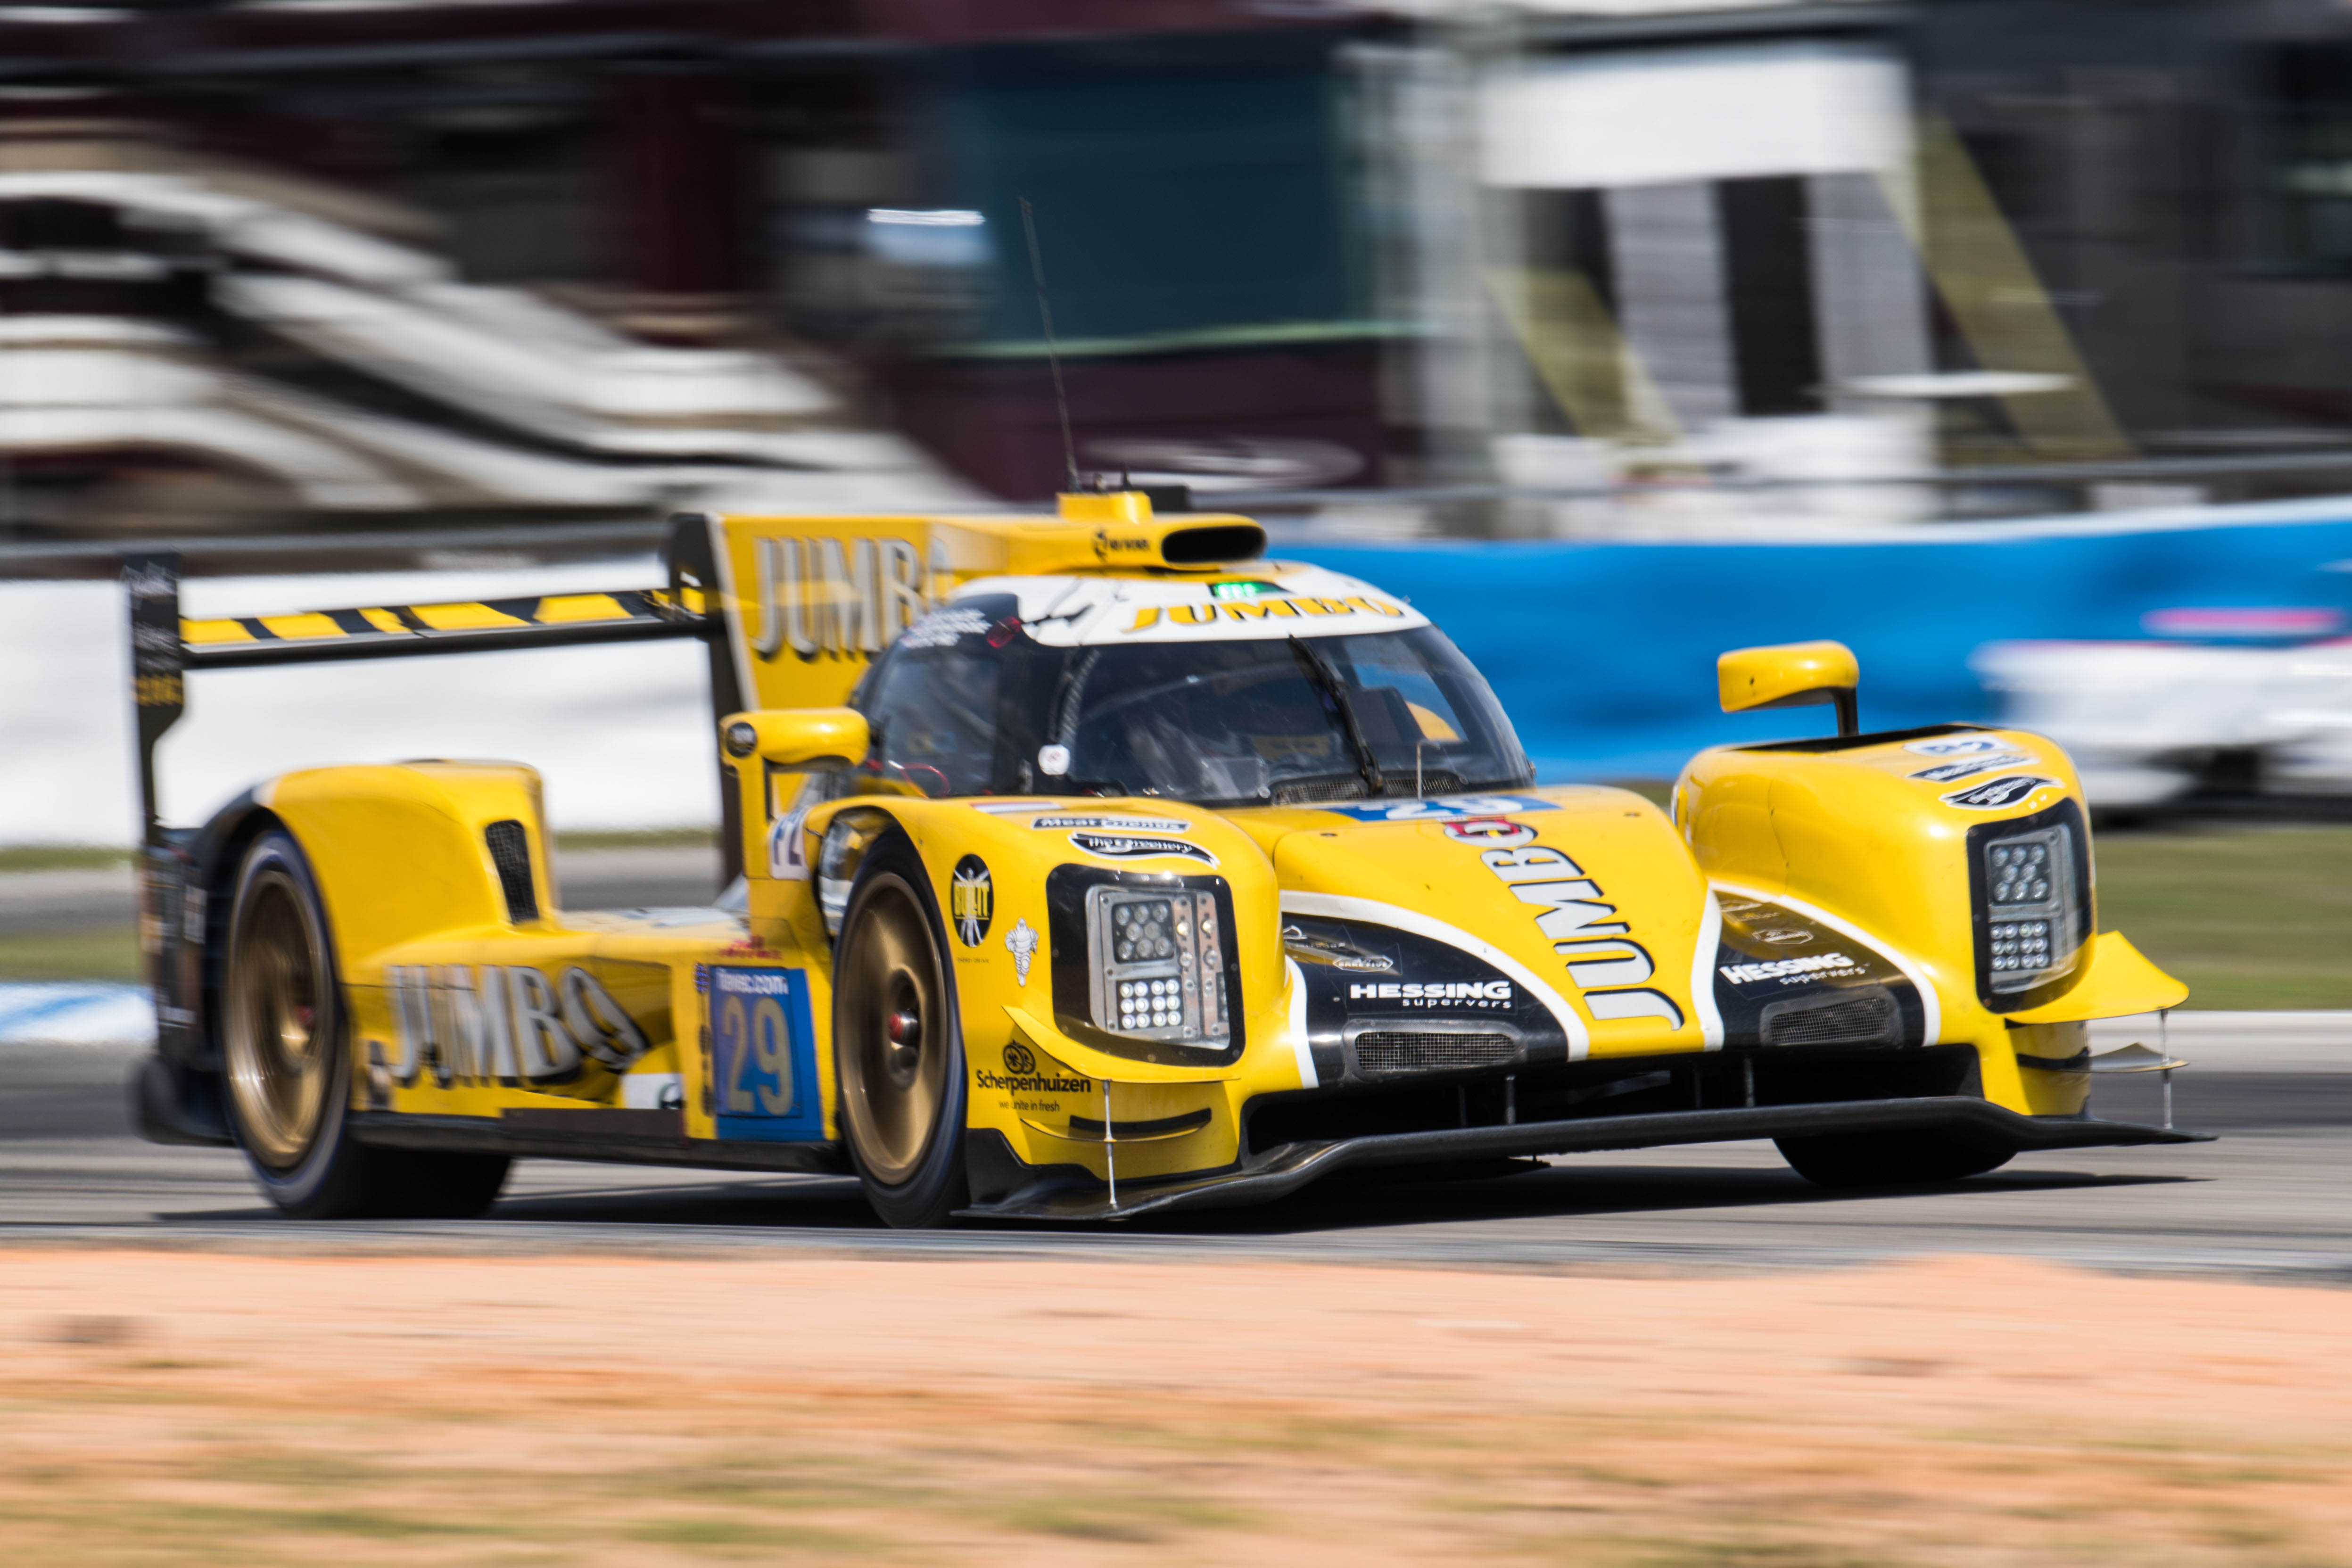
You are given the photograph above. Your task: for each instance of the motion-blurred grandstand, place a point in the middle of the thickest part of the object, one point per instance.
(1565, 267)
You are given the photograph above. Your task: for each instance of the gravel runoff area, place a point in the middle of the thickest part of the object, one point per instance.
(167, 1407)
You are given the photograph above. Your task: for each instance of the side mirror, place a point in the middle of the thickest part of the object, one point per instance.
(796, 739)
(1792, 675)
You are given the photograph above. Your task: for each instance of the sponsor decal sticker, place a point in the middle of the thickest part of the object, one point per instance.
(1242, 589)
(1025, 1074)
(834, 598)
(1949, 772)
(1607, 965)
(1440, 808)
(1452, 996)
(1957, 745)
(788, 847)
(1137, 847)
(944, 628)
(1784, 936)
(1020, 941)
(762, 1055)
(1994, 794)
(653, 1091)
(1116, 824)
(1285, 607)
(971, 900)
(1789, 968)
(1372, 962)
(506, 1023)
(1489, 832)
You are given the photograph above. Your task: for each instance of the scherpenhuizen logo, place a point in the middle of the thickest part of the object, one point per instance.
(1019, 1059)
(971, 899)
(1994, 794)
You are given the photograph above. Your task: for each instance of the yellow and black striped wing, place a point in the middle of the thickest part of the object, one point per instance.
(391, 631)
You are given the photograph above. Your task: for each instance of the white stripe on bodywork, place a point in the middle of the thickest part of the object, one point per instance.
(1336, 906)
(1308, 1077)
(1931, 1012)
(1710, 938)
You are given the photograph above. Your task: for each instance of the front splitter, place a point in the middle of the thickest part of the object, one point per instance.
(1284, 1170)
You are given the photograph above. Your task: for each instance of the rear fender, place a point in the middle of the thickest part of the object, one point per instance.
(403, 851)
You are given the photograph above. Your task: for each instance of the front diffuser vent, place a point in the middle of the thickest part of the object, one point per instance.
(1865, 1018)
(1384, 1051)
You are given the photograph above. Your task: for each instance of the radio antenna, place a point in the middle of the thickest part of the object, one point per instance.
(1045, 315)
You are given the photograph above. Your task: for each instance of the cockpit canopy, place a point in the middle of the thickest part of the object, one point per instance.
(970, 701)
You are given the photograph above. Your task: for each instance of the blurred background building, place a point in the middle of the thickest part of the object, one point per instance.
(535, 273)
(1570, 266)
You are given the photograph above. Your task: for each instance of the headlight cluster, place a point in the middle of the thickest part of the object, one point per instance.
(1158, 965)
(2023, 945)
(2029, 889)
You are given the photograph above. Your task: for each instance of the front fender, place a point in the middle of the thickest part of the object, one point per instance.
(1877, 829)
(990, 862)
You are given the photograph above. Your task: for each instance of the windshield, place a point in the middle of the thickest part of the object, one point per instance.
(969, 703)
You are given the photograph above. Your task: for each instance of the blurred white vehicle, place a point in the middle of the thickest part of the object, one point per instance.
(2152, 722)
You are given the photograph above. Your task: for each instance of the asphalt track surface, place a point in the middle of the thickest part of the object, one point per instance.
(2274, 1196)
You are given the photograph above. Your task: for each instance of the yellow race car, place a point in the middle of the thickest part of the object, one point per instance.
(1091, 866)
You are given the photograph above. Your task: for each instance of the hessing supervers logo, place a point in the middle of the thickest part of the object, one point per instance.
(1791, 970)
(506, 1023)
(1445, 996)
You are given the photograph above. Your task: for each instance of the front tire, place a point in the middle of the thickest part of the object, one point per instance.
(897, 1048)
(287, 1063)
(1851, 1161)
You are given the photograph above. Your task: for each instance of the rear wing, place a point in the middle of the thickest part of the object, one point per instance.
(792, 609)
(166, 647)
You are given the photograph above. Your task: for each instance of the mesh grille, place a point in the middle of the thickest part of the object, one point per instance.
(1314, 792)
(1386, 1052)
(1433, 781)
(510, 852)
(1861, 1020)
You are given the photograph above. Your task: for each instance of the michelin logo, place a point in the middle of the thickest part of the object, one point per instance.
(1786, 968)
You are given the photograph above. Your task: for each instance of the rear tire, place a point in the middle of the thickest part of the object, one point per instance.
(287, 1065)
(902, 1093)
(1854, 1159)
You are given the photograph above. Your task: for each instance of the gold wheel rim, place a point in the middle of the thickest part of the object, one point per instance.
(277, 1052)
(892, 1087)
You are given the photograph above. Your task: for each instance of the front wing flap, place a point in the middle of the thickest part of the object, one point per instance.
(1285, 1170)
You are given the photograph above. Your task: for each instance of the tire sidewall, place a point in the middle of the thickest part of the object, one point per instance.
(936, 1187)
(315, 1179)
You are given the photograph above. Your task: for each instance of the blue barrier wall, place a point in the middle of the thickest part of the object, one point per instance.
(1605, 653)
